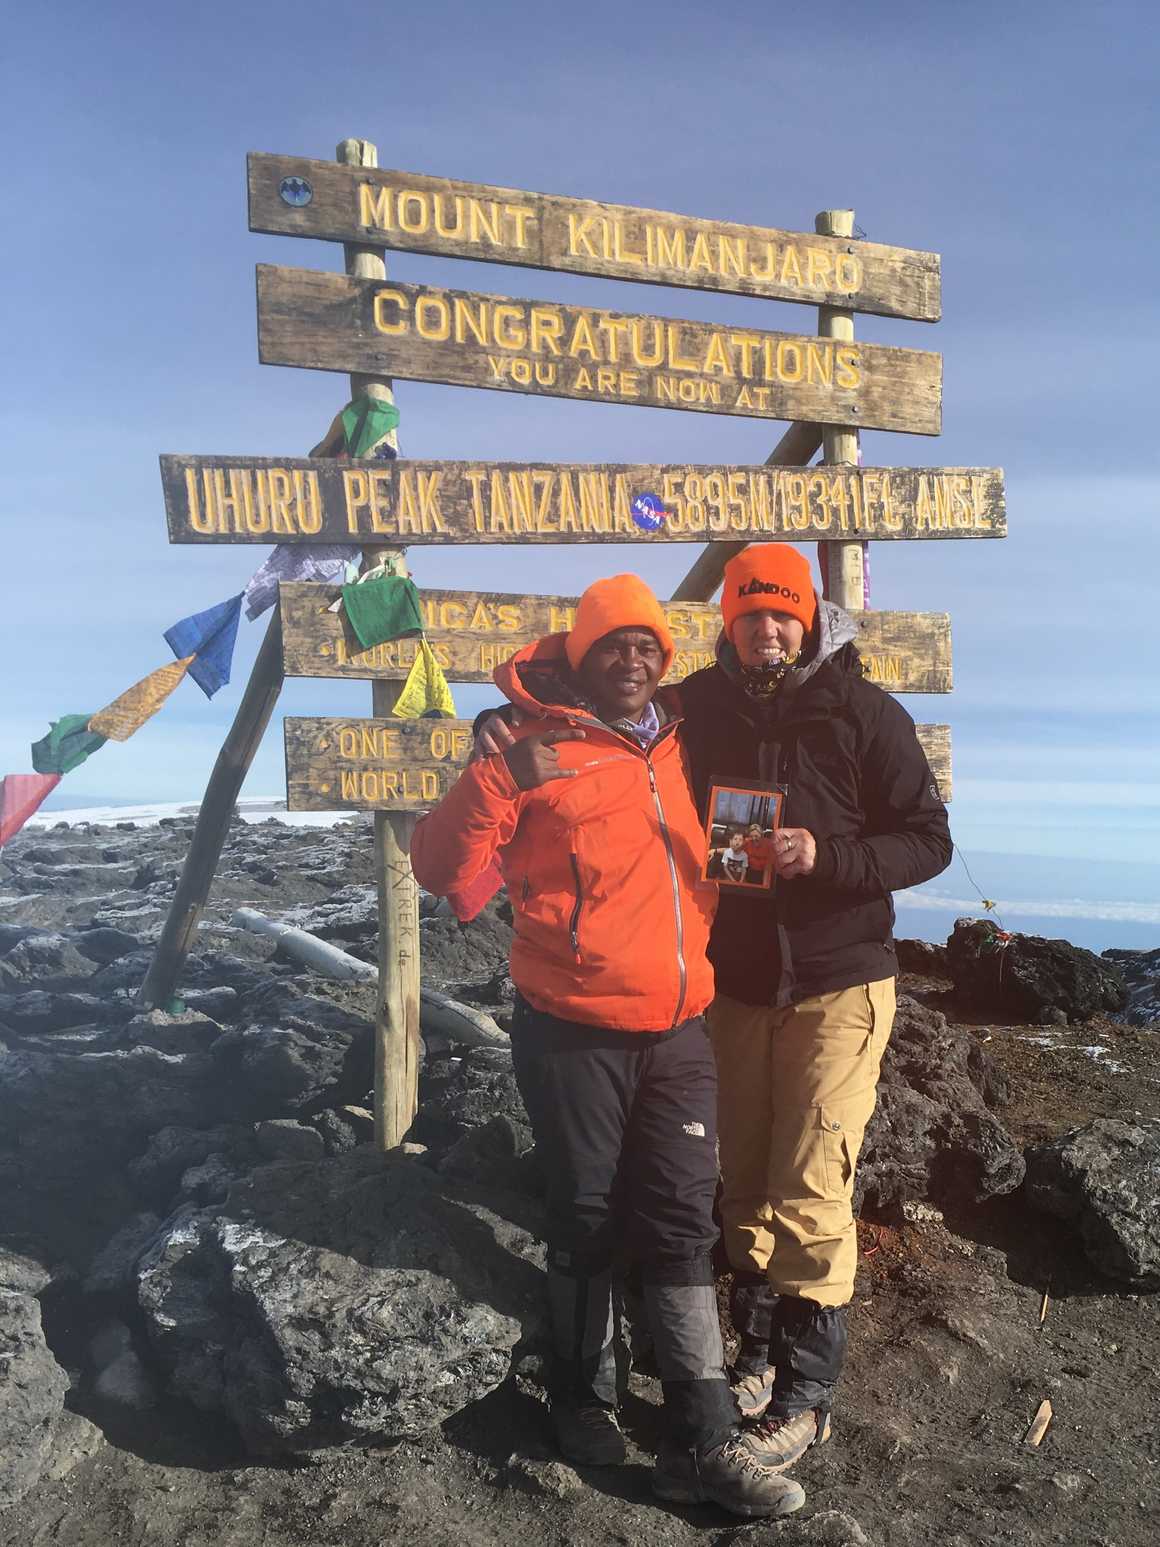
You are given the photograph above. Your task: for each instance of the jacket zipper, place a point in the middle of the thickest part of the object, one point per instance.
(664, 826)
(574, 923)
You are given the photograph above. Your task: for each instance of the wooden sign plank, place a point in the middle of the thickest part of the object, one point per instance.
(332, 322)
(409, 765)
(293, 196)
(472, 632)
(210, 499)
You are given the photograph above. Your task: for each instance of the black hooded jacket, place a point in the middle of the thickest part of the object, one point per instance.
(857, 778)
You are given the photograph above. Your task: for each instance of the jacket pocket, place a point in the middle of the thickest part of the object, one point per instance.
(577, 909)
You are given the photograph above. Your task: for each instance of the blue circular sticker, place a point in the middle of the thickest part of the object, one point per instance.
(648, 513)
(296, 191)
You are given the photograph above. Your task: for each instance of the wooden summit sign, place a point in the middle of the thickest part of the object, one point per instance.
(287, 499)
(332, 322)
(472, 632)
(409, 765)
(292, 196)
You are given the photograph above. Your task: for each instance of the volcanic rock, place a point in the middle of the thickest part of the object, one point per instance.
(1024, 977)
(32, 1392)
(356, 1299)
(457, 1094)
(1105, 1178)
(933, 1134)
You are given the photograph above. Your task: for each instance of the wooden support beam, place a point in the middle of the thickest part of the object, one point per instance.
(213, 820)
(845, 570)
(397, 1006)
(794, 449)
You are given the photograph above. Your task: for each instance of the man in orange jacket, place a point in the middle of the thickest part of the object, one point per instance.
(590, 813)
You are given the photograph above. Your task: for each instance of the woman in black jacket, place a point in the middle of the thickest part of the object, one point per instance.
(805, 972)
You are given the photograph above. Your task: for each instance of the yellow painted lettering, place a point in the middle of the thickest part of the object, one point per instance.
(200, 519)
(700, 257)
(384, 301)
(716, 358)
(412, 212)
(547, 327)
(466, 322)
(579, 236)
(510, 332)
(484, 221)
(677, 361)
(374, 206)
(582, 339)
(849, 366)
(671, 248)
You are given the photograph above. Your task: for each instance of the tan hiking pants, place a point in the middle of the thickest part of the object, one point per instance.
(796, 1088)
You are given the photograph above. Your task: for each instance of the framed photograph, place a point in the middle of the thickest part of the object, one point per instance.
(741, 821)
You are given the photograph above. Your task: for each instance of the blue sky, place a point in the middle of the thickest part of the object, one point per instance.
(1018, 140)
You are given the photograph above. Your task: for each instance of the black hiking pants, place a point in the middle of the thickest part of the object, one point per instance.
(626, 1126)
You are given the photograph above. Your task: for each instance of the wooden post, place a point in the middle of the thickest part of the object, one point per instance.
(845, 572)
(213, 819)
(397, 1006)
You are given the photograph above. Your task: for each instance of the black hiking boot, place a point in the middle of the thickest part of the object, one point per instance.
(588, 1433)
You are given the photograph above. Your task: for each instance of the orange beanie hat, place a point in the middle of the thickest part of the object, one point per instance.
(622, 601)
(769, 577)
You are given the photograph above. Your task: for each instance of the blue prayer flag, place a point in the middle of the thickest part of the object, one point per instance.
(209, 636)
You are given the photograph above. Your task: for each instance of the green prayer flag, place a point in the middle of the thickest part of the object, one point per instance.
(382, 609)
(68, 743)
(365, 421)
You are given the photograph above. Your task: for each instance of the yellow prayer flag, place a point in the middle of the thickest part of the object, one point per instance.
(425, 689)
(127, 714)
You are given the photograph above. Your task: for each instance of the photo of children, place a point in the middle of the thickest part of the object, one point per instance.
(740, 827)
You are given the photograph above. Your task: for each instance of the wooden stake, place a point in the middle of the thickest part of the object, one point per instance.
(846, 572)
(397, 1007)
(1039, 1424)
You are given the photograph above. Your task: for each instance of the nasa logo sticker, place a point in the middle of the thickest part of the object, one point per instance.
(648, 513)
(295, 191)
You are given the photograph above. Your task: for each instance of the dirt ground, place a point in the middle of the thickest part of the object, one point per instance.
(949, 1360)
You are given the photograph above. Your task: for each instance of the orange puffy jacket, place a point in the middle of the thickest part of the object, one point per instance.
(611, 919)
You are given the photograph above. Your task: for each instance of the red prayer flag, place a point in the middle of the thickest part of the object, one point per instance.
(20, 796)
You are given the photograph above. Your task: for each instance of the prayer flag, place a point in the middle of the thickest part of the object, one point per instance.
(382, 609)
(68, 743)
(20, 796)
(209, 637)
(425, 692)
(128, 713)
(365, 422)
(290, 561)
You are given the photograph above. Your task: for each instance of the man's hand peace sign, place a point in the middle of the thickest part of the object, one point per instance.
(535, 761)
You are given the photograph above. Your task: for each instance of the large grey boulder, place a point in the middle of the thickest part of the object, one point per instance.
(1105, 1179)
(32, 1392)
(356, 1299)
(1027, 978)
(934, 1134)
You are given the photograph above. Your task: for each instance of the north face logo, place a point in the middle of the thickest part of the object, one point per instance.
(768, 588)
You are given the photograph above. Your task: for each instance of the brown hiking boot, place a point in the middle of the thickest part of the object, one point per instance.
(727, 1475)
(588, 1434)
(752, 1392)
(778, 1442)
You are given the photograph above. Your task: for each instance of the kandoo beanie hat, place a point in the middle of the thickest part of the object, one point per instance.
(768, 577)
(621, 601)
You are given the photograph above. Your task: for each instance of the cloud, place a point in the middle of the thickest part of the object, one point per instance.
(1061, 908)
